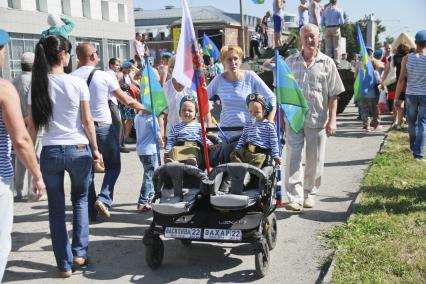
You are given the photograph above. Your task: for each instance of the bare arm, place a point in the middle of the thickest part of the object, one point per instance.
(401, 81)
(127, 100)
(331, 126)
(89, 128)
(271, 115)
(386, 72)
(12, 115)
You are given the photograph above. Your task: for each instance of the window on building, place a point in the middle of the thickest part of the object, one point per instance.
(18, 44)
(118, 49)
(105, 10)
(150, 36)
(122, 13)
(10, 3)
(66, 9)
(162, 35)
(86, 8)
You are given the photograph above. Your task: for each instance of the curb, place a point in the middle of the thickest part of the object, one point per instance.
(327, 271)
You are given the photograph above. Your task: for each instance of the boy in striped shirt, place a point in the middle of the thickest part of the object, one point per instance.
(185, 137)
(259, 137)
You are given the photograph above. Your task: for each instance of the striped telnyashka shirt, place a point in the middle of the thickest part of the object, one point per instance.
(183, 132)
(262, 134)
(318, 81)
(6, 169)
(233, 97)
(416, 74)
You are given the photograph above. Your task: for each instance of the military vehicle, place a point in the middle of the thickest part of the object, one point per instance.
(289, 48)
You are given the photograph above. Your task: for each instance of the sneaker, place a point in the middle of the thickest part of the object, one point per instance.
(65, 274)
(293, 206)
(144, 207)
(102, 209)
(124, 149)
(309, 202)
(398, 127)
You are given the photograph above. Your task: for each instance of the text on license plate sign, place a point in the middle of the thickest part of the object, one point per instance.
(182, 233)
(222, 234)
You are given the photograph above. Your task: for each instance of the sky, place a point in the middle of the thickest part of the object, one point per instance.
(396, 15)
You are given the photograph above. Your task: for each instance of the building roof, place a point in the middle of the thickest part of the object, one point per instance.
(171, 17)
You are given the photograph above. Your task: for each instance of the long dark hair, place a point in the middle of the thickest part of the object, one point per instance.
(46, 55)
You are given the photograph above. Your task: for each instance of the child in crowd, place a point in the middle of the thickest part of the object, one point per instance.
(147, 151)
(369, 104)
(259, 136)
(185, 138)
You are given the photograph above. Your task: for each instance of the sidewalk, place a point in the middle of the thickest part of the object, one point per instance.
(117, 253)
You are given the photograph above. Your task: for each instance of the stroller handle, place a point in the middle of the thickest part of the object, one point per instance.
(227, 167)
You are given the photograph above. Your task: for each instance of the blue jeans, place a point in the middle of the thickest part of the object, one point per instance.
(416, 115)
(149, 162)
(77, 161)
(109, 147)
(6, 220)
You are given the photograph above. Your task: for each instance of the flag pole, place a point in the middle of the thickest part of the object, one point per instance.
(279, 197)
(203, 129)
(154, 117)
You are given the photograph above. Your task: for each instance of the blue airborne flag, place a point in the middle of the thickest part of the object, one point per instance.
(210, 47)
(367, 78)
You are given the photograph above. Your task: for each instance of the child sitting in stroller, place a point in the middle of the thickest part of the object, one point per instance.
(259, 136)
(185, 138)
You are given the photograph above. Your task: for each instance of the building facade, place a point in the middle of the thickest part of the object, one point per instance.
(162, 26)
(108, 24)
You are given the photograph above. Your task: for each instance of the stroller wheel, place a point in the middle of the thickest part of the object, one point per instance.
(154, 253)
(186, 243)
(261, 259)
(271, 231)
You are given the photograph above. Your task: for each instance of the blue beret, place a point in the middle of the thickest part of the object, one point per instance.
(369, 49)
(127, 64)
(4, 37)
(256, 97)
(378, 53)
(188, 98)
(421, 36)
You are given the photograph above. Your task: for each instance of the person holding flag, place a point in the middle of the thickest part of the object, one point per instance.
(316, 75)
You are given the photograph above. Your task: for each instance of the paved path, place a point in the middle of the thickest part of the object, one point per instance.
(117, 252)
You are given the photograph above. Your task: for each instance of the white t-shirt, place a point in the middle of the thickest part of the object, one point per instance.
(111, 96)
(101, 85)
(65, 126)
(173, 98)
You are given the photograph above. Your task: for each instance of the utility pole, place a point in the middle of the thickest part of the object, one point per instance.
(242, 28)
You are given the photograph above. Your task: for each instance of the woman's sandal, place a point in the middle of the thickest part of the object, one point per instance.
(80, 261)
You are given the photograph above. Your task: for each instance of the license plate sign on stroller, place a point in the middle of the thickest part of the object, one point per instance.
(182, 233)
(222, 234)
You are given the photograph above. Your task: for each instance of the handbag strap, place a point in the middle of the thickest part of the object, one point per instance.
(90, 76)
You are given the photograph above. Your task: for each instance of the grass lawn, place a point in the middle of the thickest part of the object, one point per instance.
(385, 241)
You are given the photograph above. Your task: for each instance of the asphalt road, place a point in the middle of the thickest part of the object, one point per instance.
(117, 253)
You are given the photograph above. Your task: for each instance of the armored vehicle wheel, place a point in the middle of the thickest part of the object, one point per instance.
(271, 231)
(261, 259)
(154, 253)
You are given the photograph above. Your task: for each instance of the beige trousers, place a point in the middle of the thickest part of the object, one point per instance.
(300, 183)
(332, 43)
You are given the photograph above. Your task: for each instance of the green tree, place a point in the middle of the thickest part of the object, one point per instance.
(348, 31)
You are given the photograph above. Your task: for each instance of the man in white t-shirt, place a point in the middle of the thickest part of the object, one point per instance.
(101, 86)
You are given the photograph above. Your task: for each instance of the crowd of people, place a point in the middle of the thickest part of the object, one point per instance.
(79, 121)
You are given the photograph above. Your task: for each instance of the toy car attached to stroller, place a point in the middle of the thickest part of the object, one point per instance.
(192, 208)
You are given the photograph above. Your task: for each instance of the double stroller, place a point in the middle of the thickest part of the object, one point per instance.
(189, 205)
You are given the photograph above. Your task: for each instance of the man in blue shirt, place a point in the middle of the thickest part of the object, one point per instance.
(332, 19)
